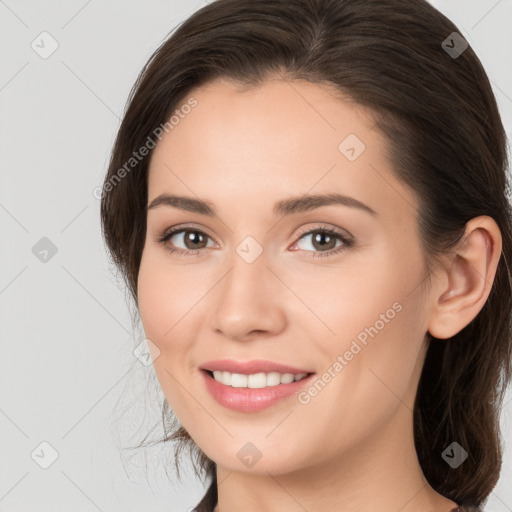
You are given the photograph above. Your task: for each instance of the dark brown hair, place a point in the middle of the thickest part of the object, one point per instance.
(445, 140)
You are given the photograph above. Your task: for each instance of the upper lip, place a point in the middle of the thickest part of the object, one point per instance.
(250, 367)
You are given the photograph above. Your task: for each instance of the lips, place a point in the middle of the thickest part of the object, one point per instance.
(253, 398)
(251, 367)
(249, 400)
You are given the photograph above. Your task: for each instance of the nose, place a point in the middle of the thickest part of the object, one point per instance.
(249, 301)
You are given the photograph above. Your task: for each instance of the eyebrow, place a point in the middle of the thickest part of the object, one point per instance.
(285, 207)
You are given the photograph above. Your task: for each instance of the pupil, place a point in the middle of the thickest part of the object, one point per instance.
(194, 237)
(320, 236)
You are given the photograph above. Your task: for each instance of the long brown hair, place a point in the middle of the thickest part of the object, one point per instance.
(445, 140)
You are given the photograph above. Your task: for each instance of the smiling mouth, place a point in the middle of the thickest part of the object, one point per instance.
(255, 380)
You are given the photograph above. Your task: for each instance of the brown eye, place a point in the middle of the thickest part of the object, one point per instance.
(185, 240)
(324, 242)
(194, 239)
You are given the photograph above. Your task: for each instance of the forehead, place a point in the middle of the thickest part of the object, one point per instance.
(278, 139)
(274, 122)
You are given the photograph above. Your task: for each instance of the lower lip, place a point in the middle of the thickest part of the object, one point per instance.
(251, 399)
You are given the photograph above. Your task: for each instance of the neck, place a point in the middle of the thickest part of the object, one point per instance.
(382, 471)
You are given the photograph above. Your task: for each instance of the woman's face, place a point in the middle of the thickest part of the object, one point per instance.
(263, 283)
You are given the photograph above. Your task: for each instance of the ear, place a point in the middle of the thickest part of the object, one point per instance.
(465, 280)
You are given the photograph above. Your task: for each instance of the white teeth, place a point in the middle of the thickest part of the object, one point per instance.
(256, 380)
(239, 380)
(273, 379)
(287, 378)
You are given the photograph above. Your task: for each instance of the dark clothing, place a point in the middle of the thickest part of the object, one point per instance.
(209, 500)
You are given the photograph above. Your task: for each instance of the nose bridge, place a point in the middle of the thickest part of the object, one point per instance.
(246, 281)
(247, 298)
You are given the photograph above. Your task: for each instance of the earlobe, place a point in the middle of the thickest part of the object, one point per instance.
(468, 278)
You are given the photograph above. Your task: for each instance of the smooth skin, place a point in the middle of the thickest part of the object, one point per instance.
(351, 447)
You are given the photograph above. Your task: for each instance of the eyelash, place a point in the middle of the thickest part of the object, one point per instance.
(347, 242)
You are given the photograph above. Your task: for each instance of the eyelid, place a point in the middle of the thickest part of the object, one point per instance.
(183, 227)
(325, 227)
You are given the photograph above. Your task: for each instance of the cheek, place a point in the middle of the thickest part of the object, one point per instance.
(164, 296)
(378, 326)
(171, 306)
(163, 306)
(366, 379)
(151, 291)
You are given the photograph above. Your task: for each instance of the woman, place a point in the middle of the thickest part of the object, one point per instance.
(308, 202)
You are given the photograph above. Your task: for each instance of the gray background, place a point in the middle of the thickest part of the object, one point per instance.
(67, 372)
